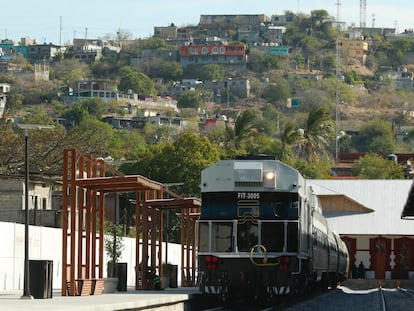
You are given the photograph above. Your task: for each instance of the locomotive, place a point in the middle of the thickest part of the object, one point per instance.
(261, 233)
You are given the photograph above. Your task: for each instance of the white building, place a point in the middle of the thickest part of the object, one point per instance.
(367, 215)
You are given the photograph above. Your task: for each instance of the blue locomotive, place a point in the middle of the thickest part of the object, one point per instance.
(261, 233)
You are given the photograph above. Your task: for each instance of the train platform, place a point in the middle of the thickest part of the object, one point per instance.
(171, 299)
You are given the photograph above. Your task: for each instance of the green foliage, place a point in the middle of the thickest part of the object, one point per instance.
(113, 241)
(153, 43)
(277, 92)
(246, 125)
(316, 170)
(168, 70)
(94, 106)
(190, 99)
(179, 161)
(205, 72)
(106, 67)
(127, 144)
(69, 71)
(374, 166)
(92, 136)
(290, 135)
(375, 136)
(136, 81)
(318, 134)
(351, 77)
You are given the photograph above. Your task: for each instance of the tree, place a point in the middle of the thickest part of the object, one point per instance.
(76, 113)
(211, 72)
(190, 99)
(289, 136)
(179, 161)
(92, 136)
(46, 146)
(168, 70)
(136, 81)
(318, 133)
(70, 70)
(277, 92)
(375, 136)
(374, 166)
(245, 125)
(113, 244)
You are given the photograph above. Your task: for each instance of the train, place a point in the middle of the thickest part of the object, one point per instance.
(261, 233)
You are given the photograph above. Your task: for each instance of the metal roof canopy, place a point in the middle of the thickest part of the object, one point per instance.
(408, 211)
(340, 202)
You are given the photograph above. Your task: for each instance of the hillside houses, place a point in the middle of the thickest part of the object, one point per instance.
(223, 39)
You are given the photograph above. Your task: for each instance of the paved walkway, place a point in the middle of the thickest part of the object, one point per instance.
(131, 299)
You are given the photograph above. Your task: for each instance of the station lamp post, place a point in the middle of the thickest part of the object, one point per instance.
(26, 128)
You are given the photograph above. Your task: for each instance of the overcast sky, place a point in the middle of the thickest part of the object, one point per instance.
(61, 21)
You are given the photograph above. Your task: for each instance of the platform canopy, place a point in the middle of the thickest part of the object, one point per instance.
(408, 211)
(130, 183)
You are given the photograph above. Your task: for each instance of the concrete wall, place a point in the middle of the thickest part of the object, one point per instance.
(46, 244)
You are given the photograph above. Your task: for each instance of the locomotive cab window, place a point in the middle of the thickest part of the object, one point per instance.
(221, 237)
(273, 236)
(204, 237)
(247, 236)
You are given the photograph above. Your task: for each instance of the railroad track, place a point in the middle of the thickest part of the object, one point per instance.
(396, 299)
(374, 299)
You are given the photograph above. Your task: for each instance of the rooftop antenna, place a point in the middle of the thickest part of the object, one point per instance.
(363, 12)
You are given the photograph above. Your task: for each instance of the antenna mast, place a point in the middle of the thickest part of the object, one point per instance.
(60, 31)
(363, 13)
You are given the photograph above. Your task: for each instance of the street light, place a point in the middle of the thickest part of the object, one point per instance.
(26, 128)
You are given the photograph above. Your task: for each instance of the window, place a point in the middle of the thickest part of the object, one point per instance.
(204, 236)
(215, 51)
(221, 237)
(222, 50)
(204, 51)
(273, 236)
(247, 236)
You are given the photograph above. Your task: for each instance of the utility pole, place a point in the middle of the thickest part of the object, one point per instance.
(60, 31)
(337, 107)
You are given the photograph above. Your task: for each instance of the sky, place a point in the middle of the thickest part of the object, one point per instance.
(60, 22)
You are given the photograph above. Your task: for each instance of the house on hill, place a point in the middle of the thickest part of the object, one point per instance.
(367, 215)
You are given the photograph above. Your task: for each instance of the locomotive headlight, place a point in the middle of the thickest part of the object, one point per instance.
(269, 176)
(269, 179)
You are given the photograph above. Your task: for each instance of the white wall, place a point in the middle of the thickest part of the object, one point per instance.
(46, 244)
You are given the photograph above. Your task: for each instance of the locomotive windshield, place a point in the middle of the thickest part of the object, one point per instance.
(247, 236)
(220, 238)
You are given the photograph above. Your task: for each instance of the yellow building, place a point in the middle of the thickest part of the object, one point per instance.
(356, 49)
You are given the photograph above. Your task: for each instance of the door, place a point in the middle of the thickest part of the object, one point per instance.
(380, 251)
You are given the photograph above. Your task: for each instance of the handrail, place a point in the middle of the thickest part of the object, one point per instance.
(264, 261)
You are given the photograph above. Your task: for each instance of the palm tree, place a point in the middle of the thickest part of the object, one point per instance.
(289, 136)
(319, 132)
(245, 126)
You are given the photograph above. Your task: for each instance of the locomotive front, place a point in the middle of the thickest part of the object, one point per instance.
(253, 230)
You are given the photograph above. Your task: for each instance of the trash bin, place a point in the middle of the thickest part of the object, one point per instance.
(40, 278)
(173, 276)
(121, 274)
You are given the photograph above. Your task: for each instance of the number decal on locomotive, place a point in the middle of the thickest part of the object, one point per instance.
(248, 195)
